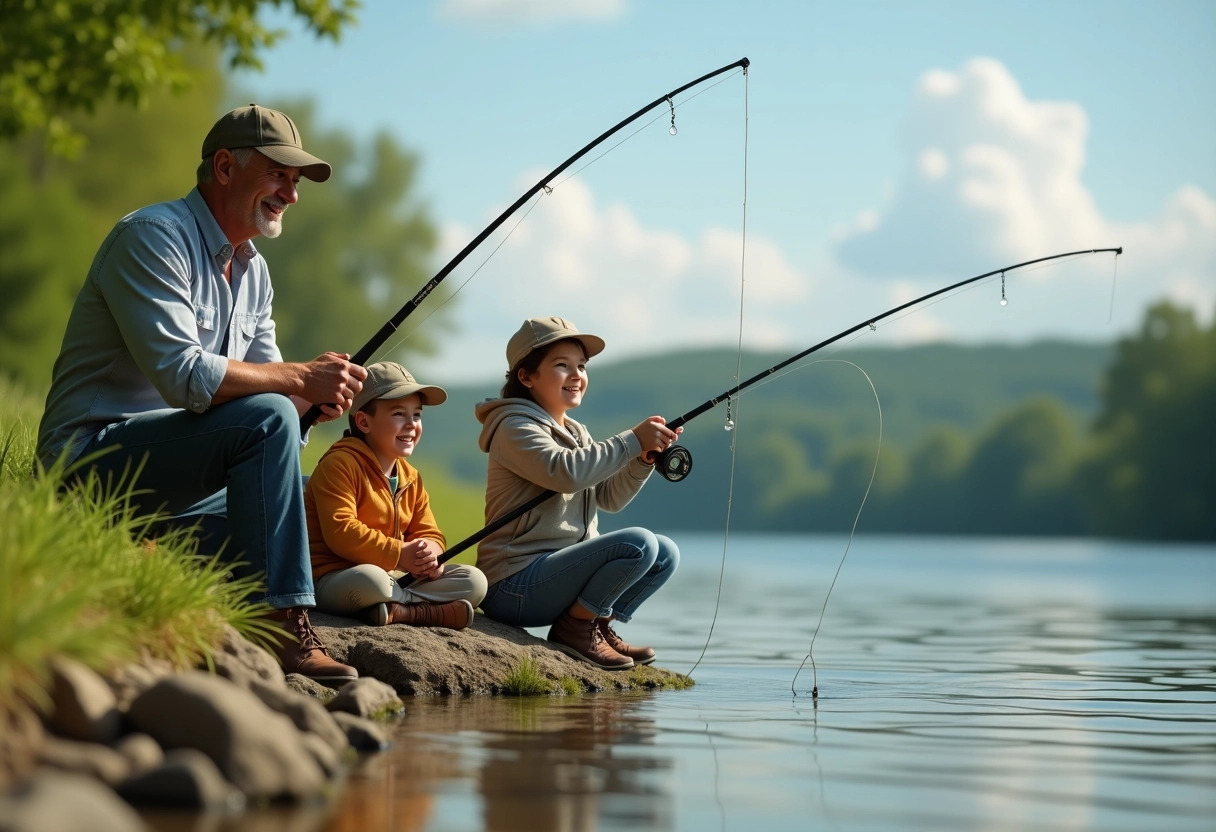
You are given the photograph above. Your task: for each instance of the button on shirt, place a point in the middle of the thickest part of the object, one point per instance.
(155, 324)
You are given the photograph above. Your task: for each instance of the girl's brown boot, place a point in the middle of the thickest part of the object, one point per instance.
(582, 639)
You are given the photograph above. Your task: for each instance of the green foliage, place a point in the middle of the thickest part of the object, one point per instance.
(353, 250)
(527, 680)
(54, 212)
(1149, 472)
(59, 58)
(78, 579)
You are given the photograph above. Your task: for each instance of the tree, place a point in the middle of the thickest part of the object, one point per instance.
(54, 212)
(1149, 472)
(62, 58)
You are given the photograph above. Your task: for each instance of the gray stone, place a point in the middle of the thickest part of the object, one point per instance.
(306, 713)
(186, 779)
(130, 680)
(141, 752)
(239, 659)
(363, 734)
(366, 697)
(53, 801)
(83, 706)
(87, 758)
(327, 756)
(257, 750)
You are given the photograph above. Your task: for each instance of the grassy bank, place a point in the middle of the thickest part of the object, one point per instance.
(78, 579)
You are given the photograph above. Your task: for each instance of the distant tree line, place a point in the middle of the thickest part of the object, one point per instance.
(1141, 468)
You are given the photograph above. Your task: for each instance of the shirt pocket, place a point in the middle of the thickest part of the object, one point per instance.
(205, 317)
(244, 329)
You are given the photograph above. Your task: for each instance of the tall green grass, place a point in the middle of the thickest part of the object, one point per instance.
(79, 577)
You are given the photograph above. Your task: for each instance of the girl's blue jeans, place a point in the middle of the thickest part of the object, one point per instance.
(610, 575)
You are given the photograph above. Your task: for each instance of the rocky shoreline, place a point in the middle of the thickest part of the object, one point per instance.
(239, 734)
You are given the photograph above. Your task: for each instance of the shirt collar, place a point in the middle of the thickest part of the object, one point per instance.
(213, 236)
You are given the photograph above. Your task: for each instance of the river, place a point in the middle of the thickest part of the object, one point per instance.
(964, 683)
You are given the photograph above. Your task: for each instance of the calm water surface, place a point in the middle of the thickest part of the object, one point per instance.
(964, 684)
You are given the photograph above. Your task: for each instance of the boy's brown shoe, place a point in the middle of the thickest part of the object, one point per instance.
(640, 655)
(300, 650)
(455, 615)
(582, 639)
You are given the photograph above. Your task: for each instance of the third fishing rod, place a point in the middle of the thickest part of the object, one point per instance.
(675, 463)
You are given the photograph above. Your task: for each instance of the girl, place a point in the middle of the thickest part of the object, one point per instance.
(551, 566)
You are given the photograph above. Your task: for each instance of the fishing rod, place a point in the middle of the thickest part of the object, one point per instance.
(385, 332)
(675, 462)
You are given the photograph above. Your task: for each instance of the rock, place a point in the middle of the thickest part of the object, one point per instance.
(366, 697)
(55, 801)
(256, 749)
(130, 680)
(328, 757)
(239, 659)
(305, 713)
(363, 734)
(87, 758)
(308, 687)
(185, 779)
(141, 752)
(431, 661)
(21, 739)
(83, 706)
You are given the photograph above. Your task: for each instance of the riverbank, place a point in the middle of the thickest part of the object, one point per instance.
(240, 734)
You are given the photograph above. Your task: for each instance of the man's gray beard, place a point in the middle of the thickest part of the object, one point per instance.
(266, 226)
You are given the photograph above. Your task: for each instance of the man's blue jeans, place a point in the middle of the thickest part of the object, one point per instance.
(611, 575)
(234, 470)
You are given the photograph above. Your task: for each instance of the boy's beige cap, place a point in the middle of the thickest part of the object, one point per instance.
(537, 332)
(269, 131)
(386, 380)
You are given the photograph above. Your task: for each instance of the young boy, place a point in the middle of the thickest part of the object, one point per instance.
(368, 514)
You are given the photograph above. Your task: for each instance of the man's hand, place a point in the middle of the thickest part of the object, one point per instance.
(332, 382)
(329, 381)
(420, 558)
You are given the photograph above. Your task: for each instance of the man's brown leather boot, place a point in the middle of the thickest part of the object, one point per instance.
(455, 615)
(582, 639)
(640, 655)
(301, 651)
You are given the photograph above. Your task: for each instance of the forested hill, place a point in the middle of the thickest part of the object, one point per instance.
(919, 388)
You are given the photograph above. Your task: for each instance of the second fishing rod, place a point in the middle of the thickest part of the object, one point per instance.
(675, 463)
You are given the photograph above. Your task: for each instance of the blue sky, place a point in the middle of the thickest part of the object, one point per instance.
(892, 148)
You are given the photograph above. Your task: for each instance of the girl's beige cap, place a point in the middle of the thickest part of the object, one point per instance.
(537, 332)
(269, 131)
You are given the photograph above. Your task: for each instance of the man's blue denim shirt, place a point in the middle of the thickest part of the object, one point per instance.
(155, 324)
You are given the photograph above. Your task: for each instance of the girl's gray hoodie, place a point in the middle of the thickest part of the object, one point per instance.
(530, 453)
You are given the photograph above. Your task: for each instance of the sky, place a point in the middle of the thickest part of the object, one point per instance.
(874, 152)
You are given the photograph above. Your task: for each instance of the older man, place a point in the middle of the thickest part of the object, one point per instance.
(169, 374)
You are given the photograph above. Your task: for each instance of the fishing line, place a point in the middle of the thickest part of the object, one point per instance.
(548, 189)
(1113, 278)
(389, 327)
(465, 282)
(852, 532)
(730, 423)
(661, 115)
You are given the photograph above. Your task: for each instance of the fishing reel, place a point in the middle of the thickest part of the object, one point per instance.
(674, 463)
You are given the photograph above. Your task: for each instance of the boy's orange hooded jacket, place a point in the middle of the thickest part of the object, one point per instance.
(354, 518)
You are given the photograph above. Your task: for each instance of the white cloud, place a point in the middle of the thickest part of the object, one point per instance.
(640, 288)
(994, 177)
(530, 11)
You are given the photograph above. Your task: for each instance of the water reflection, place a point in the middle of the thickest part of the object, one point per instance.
(550, 765)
